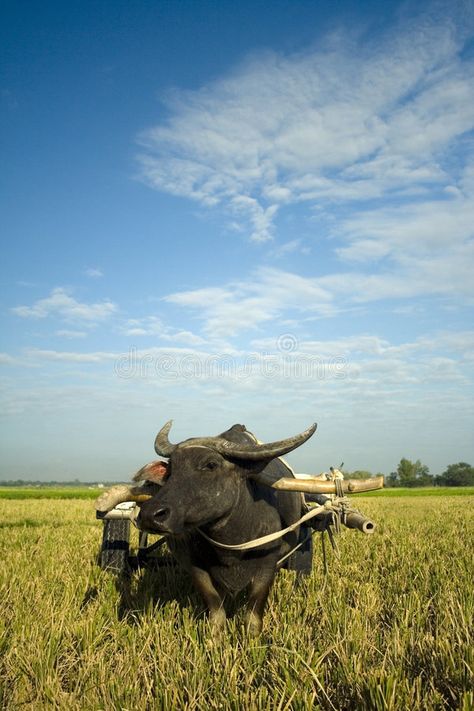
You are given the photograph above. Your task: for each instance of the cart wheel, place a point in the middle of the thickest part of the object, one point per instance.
(115, 545)
(302, 559)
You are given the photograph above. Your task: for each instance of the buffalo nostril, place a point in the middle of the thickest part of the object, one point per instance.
(161, 515)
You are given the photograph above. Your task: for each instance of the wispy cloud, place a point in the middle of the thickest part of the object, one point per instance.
(429, 227)
(459, 343)
(394, 387)
(70, 333)
(349, 121)
(363, 366)
(275, 296)
(148, 326)
(245, 305)
(94, 273)
(61, 304)
(7, 359)
(154, 326)
(290, 247)
(38, 354)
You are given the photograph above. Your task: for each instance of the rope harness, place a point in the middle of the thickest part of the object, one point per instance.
(256, 542)
(337, 508)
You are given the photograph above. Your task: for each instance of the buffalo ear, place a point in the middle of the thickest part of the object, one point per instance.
(156, 472)
(249, 468)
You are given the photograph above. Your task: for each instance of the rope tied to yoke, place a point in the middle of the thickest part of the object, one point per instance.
(340, 507)
(336, 510)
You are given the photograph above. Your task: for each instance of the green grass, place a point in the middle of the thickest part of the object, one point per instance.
(84, 492)
(388, 628)
(49, 492)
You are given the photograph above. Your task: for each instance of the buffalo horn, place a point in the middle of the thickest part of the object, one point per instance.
(163, 446)
(251, 451)
(258, 451)
(119, 494)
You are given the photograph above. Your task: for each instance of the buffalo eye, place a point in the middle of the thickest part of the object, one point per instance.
(210, 466)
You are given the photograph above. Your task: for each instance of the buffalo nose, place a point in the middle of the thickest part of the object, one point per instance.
(161, 514)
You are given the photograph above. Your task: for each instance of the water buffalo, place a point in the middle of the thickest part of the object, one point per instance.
(211, 493)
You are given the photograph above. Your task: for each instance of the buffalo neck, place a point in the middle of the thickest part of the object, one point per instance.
(249, 518)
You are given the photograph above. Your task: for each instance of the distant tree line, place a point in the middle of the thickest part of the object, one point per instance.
(412, 474)
(408, 474)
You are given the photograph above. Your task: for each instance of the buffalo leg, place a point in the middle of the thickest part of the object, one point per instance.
(214, 601)
(257, 599)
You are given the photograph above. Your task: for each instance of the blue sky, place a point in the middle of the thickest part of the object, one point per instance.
(236, 212)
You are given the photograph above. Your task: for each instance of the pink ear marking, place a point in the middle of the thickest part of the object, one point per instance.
(154, 471)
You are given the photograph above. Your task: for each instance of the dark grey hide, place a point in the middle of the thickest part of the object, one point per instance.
(212, 492)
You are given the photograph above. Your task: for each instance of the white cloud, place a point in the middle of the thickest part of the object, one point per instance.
(443, 350)
(429, 227)
(69, 333)
(347, 121)
(94, 273)
(458, 343)
(280, 298)
(61, 304)
(245, 305)
(6, 359)
(149, 326)
(362, 389)
(325, 378)
(37, 354)
(290, 247)
(154, 326)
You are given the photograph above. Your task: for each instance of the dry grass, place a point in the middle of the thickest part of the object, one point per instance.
(388, 628)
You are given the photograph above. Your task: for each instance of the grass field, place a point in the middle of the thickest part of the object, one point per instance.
(49, 492)
(86, 492)
(425, 491)
(387, 628)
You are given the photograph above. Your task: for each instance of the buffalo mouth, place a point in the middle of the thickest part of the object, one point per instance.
(148, 525)
(166, 528)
